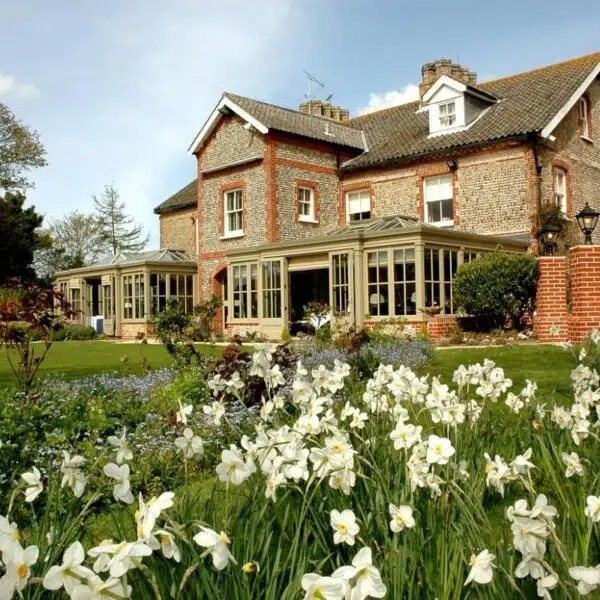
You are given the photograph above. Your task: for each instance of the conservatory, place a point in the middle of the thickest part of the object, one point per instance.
(365, 272)
(120, 295)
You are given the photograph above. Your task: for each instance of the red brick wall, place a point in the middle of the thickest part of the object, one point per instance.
(550, 322)
(554, 320)
(441, 326)
(585, 291)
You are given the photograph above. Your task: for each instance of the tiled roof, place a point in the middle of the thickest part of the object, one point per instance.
(527, 102)
(184, 198)
(293, 121)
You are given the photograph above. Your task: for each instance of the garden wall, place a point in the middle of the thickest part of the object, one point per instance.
(568, 295)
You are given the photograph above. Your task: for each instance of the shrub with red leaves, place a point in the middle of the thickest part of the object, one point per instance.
(29, 312)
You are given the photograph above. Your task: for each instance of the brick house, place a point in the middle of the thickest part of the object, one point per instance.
(373, 215)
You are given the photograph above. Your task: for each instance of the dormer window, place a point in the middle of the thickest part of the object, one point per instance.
(449, 95)
(447, 114)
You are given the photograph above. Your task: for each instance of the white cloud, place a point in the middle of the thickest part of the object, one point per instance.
(11, 88)
(391, 98)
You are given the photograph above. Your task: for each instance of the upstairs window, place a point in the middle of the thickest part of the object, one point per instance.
(438, 192)
(447, 113)
(234, 213)
(358, 205)
(560, 189)
(584, 117)
(306, 204)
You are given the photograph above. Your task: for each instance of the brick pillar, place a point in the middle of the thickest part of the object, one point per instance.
(550, 321)
(585, 291)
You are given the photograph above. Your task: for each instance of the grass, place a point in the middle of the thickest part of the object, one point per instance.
(78, 359)
(548, 366)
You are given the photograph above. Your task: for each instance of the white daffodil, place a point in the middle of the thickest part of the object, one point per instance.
(216, 544)
(17, 570)
(592, 510)
(322, 588)
(588, 578)
(545, 584)
(146, 515)
(70, 573)
(273, 482)
(402, 518)
(233, 469)
(514, 402)
(34, 488)
(102, 553)
(439, 450)
(97, 589)
(120, 443)
(482, 566)
(215, 411)
(185, 410)
(123, 556)
(72, 474)
(521, 464)
(573, 464)
(344, 526)
(122, 489)
(9, 533)
(168, 546)
(362, 576)
(189, 443)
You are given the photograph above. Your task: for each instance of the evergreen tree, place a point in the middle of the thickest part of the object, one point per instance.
(117, 229)
(19, 237)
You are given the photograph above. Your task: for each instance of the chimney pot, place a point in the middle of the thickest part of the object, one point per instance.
(431, 72)
(325, 110)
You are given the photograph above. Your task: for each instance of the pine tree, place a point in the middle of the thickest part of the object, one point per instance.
(117, 229)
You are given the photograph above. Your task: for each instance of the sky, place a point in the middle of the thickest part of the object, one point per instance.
(118, 89)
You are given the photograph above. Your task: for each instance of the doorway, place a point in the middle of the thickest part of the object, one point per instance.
(306, 286)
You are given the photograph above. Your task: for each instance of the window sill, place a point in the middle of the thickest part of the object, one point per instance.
(232, 236)
(441, 223)
(586, 139)
(308, 220)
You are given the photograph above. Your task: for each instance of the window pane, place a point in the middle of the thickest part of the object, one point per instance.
(434, 212)
(446, 210)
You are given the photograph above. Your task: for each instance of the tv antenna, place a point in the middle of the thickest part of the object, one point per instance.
(311, 79)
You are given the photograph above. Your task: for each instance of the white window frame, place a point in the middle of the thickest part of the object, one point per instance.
(584, 117)
(310, 217)
(427, 183)
(560, 191)
(349, 198)
(448, 118)
(230, 233)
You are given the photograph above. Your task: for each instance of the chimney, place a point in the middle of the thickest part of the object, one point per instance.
(325, 110)
(431, 72)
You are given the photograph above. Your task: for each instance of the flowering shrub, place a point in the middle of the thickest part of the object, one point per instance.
(367, 357)
(410, 487)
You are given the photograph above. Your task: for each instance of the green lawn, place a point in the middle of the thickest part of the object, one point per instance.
(77, 359)
(548, 366)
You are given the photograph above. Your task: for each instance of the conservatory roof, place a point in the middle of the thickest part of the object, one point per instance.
(381, 224)
(167, 255)
(163, 256)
